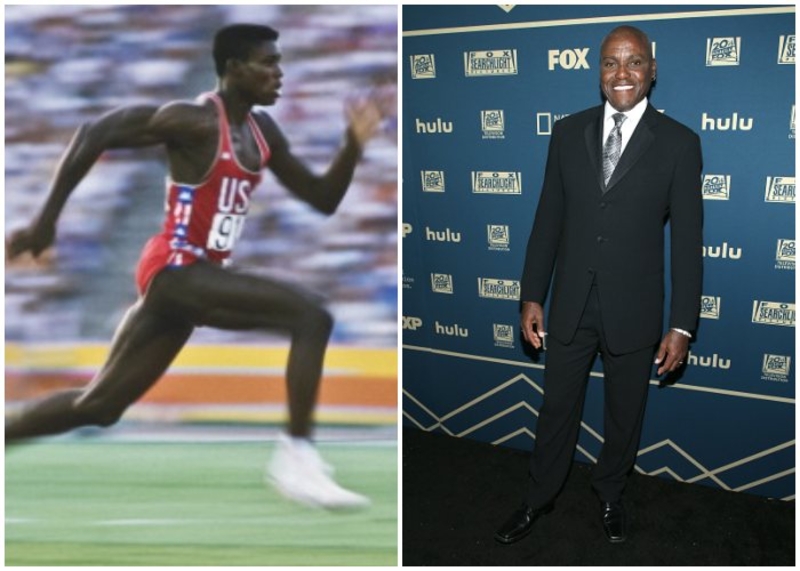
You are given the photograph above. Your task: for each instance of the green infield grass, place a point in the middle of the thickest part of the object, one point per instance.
(116, 503)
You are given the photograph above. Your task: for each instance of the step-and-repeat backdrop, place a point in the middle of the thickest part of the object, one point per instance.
(482, 87)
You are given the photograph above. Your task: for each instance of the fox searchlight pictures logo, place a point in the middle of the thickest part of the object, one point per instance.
(780, 189)
(498, 289)
(773, 313)
(494, 182)
(490, 62)
(786, 50)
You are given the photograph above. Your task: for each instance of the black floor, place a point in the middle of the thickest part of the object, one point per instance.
(456, 492)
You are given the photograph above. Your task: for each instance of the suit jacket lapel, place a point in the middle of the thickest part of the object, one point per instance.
(640, 140)
(593, 135)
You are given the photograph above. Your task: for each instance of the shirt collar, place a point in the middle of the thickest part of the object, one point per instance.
(634, 115)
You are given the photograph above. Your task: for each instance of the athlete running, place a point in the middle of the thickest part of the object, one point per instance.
(216, 147)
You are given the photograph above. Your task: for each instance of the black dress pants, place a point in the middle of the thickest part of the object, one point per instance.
(626, 382)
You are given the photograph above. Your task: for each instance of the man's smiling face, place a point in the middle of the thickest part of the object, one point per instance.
(627, 69)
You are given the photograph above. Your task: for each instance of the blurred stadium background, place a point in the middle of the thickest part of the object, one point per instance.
(68, 64)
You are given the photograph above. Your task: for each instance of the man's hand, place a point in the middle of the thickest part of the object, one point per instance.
(672, 352)
(532, 322)
(34, 239)
(365, 114)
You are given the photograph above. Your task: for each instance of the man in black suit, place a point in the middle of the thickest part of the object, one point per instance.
(615, 174)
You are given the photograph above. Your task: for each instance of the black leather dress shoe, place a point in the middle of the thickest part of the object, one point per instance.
(614, 523)
(520, 523)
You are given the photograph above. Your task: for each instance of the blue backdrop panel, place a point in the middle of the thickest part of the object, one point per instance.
(482, 88)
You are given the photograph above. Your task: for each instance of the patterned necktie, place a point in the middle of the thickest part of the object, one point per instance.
(613, 147)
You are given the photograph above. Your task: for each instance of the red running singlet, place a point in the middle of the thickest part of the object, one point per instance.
(204, 220)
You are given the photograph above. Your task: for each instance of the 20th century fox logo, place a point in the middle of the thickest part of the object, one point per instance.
(503, 335)
(776, 368)
(493, 124)
(423, 67)
(723, 51)
(498, 237)
(709, 307)
(716, 187)
(432, 181)
(490, 62)
(785, 256)
(442, 283)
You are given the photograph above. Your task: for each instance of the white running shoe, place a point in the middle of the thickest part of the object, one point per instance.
(300, 474)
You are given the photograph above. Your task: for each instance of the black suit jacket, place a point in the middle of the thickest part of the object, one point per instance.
(616, 237)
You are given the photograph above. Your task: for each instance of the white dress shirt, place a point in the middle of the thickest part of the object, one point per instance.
(628, 126)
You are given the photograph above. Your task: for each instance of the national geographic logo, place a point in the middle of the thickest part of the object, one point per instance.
(432, 181)
(709, 307)
(493, 124)
(723, 51)
(776, 368)
(786, 50)
(773, 313)
(716, 187)
(544, 122)
(498, 237)
(498, 289)
(784, 257)
(780, 189)
(490, 62)
(423, 67)
(503, 335)
(442, 283)
(489, 182)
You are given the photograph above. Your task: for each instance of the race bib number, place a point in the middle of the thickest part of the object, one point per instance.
(225, 231)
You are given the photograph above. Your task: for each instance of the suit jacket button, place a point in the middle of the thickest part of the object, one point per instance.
(600, 239)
